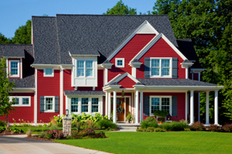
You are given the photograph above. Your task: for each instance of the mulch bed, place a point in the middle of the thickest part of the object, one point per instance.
(6, 132)
(41, 139)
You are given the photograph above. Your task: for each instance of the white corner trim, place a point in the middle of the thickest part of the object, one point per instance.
(152, 42)
(147, 28)
(61, 91)
(7, 68)
(21, 66)
(142, 26)
(35, 99)
(114, 78)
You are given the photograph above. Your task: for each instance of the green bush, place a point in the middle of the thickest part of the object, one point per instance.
(54, 134)
(2, 123)
(104, 124)
(149, 122)
(160, 113)
(2, 129)
(197, 126)
(150, 129)
(174, 126)
(159, 130)
(139, 130)
(17, 130)
(214, 128)
(227, 128)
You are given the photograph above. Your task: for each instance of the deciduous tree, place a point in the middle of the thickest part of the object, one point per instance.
(121, 9)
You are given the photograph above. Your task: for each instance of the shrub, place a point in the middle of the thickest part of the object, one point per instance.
(214, 128)
(149, 122)
(16, 130)
(39, 125)
(160, 113)
(25, 125)
(139, 130)
(44, 125)
(197, 126)
(159, 130)
(2, 129)
(2, 123)
(150, 129)
(54, 127)
(104, 124)
(75, 134)
(42, 135)
(227, 128)
(54, 134)
(175, 126)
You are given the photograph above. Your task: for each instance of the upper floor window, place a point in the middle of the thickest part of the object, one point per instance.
(14, 68)
(84, 68)
(119, 62)
(160, 67)
(48, 72)
(21, 100)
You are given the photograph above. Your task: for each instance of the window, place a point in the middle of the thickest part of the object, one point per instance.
(160, 67)
(84, 68)
(160, 103)
(21, 100)
(119, 62)
(84, 104)
(14, 68)
(48, 72)
(74, 104)
(94, 104)
(49, 104)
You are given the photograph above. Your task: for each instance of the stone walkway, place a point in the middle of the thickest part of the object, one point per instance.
(18, 144)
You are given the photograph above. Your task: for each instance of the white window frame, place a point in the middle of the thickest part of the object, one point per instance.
(160, 105)
(78, 109)
(21, 100)
(160, 68)
(53, 103)
(89, 104)
(123, 62)
(48, 75)
(94, 104)
(15, 75)
(85, 68)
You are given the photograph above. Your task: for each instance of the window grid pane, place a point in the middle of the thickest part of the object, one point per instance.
(89, 72)
(94, 104)
(48, 71)
(16, 101)
(14, 68)
(49, 103)
(165, 104)
(26, 101)
(89, 64)
(74, 104)
(165, 64)
(119, 62)
(84, 104)
(155, 67)
(155, 102)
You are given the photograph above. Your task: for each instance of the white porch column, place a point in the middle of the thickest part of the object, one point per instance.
(191, 107)
(109, 104)
(106, 104)
(216, 108)
(199, 100)
(207, 108)
(141, 106)
(137, 107)
(114, 107)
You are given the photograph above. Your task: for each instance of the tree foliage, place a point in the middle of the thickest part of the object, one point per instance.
(120, 9)
(5, 87)
(209, 24)
(4, 40)
(23, 34)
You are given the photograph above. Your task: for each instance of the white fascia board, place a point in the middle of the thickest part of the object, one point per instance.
(197, 70)
(123, 76)
(113, 78)
(107, 65)
(186, 87)
(186, 65)
(14, 57)
(147, 28)
(66, 66)
(130, 37)
(111, 87)
(45, 66)
(152, 42)
(21, 90)
(132, 78)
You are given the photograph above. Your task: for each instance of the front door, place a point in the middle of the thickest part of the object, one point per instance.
(120, 109)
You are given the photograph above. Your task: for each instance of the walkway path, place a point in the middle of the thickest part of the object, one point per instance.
(18, 144)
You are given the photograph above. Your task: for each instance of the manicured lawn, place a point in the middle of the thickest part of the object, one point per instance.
(166, 142)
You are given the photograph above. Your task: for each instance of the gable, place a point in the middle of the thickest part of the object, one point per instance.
(126, 82)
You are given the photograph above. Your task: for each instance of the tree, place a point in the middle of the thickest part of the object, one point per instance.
(23, 34)
(5, 87)
(120, 9)
(4, 40)
(208, 23)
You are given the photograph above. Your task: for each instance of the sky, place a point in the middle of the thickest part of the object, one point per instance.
(15, 13)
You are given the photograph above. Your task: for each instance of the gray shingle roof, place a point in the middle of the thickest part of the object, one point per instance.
(72, 92)
(14, 50)
(54, 37)
(26, 82)
(174, 82)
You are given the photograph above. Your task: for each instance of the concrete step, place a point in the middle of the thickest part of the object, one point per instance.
(129, 129)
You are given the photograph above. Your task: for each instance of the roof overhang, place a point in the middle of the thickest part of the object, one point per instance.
(23, 90)
(197, 70)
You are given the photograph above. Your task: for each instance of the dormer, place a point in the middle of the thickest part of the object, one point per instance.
(84, 70)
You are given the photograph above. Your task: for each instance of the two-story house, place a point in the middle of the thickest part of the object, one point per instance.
(106, 64)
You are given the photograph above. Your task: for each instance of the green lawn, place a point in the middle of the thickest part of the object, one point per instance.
(166, 142)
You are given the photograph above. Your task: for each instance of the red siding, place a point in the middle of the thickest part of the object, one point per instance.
(161, 49)
(128, 52)
(47, 86)
(126, 83)
(180, 104)
(25, 114)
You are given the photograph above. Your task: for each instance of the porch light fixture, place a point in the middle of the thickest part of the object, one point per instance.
(66, 112)
(122, 93)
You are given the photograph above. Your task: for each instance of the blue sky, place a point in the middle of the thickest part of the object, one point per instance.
(15, 13)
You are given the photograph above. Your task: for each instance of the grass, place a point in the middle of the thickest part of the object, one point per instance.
(168, 142)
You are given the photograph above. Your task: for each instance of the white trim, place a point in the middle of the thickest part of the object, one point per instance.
(61, 91)
(53, 104)
(129, 38)
(17, 75)
(7, 68)
(114, 106)
(137, 106)
(23, 90)
(106, 76)
(147, 28)
(48, 75)
(141, 105)
(160, 67)
(186, 73)
(191, 107)
(113, 78)
(21, 66)
(199, 99)
(123, 62)
(216, 107)
(160, 103)
(109, 104)
(42, 66)
(152, 42)
(197, 70)
(106, 103)
(207, 109)
(21, 101)
(133, 70)
(123, 76)
(35, 99)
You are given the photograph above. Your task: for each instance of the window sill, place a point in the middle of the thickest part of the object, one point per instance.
(49, 111)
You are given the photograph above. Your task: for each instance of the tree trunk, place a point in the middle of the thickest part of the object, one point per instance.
(7, 123)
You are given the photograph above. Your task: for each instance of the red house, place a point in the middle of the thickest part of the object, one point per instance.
(106, 64)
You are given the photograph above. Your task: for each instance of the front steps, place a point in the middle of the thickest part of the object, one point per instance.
(127, 126)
